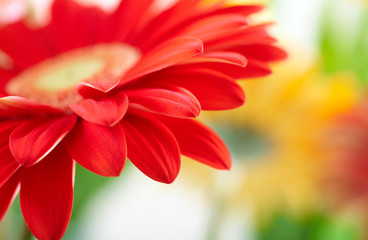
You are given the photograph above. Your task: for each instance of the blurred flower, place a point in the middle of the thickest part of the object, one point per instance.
(347, 181)
(275, 139)
(93, 87)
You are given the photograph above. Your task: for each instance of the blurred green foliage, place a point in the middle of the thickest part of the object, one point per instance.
(344, 46)
(87, 183)
(317, 226)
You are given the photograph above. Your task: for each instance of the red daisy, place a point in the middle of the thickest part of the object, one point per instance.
(96, 88)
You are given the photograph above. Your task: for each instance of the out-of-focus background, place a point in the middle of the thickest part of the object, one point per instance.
(299, 147)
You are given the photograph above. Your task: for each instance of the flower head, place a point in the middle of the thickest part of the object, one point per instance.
(97, 87)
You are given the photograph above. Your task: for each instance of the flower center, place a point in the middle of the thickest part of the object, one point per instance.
(54, 81)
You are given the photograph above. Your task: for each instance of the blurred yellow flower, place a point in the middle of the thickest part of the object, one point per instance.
(275, 137)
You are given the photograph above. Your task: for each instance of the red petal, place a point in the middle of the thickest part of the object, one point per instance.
(8, 192)
(8, 165)
(5, 76)
(87, 91)
(243, 10)
(250, 35)
(152, 148)
(261, 52)
(253, 69)
(177, 18)
(7, 162)
(46, 195)
(214, 90)
(215, 27)
(168, 21)
(6, 128)
(104, 86)
(100, 149)
(127, 13)
(199, 142)
(223, 57)
(12, 106)
(74, 26)
(31, 141)
(12, 42)
(166, 55)
(107, 111)
(176, 102)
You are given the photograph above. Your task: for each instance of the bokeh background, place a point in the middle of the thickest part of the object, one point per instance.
(299, 146)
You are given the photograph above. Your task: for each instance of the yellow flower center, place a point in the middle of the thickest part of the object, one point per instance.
(66, 75)
(54, 81)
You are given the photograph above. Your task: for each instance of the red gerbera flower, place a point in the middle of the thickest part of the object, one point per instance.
(96, 88)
